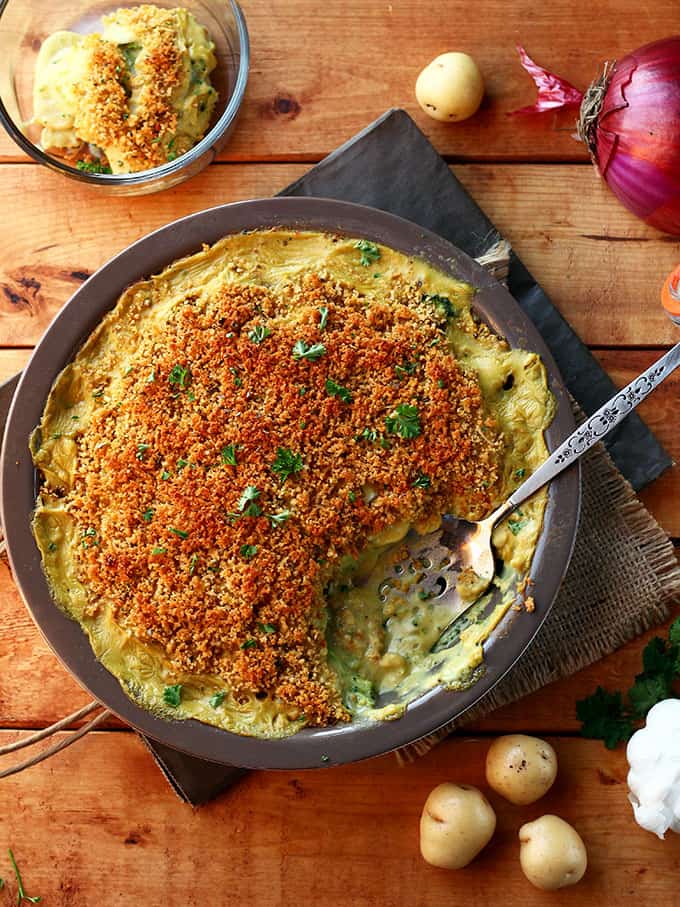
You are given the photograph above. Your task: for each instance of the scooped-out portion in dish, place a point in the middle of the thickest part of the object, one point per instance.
(130, 98)
(233, 458)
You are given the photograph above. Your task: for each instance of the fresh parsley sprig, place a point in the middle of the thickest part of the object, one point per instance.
(259, 333)
(287, 463)
(303, 350)
(172, 695)
(404, 421)
(611, 716)
(369, 252)
(333, 389)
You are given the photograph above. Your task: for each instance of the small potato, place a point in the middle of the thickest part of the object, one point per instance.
(552, 853)
(450, 88)
(521, 768)
(456, 823)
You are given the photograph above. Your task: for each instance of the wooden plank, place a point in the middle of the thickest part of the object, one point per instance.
(322, 71)
(98, 824)
(35, 690)
(602, 267)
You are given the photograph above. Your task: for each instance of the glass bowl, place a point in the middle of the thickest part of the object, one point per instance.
(24, 25)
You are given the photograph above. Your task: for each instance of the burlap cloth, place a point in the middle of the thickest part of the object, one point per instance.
(623, 579)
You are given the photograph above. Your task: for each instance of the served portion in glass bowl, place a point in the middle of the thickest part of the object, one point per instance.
(37, 38)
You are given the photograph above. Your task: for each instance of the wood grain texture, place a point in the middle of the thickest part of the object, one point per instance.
(601, 267)
(321, 72)
(83, 834)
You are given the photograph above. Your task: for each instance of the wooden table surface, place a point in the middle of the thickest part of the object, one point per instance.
(98, 824)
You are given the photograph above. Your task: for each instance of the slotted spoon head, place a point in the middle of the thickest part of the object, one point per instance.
(449, 568)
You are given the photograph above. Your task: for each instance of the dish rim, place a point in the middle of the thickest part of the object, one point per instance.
(309, 747)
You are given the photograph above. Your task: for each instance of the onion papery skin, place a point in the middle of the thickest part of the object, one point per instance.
(636, 139)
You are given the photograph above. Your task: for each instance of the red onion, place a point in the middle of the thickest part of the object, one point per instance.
(630, 121)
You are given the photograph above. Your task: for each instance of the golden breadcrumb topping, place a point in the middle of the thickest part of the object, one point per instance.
(262, 437)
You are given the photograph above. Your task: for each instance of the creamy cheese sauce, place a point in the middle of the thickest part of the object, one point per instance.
(379, 645)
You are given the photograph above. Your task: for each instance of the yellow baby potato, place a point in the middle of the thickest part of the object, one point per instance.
(520, 768)
(450, 88)
(456, 823)
(552, 853)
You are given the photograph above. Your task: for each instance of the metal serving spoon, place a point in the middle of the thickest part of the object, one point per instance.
(435, 561)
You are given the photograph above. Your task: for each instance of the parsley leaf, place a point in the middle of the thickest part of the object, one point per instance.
(278, 519)
(259, 333)
(249, 643)
(141, 450)
(302, 350)
(286, 463)
(147, 516)
(370, 434)
(520, 473)
(403, 421)
(250, 493)
(192, 564)
(180, 376)
(323, 319)
(369, 252)
(406, 368)
(158, 550)
(441, 302)
(229, 454)
(647, 690)
(92, 167)
(337, 390)
(248, 551)
(217, 699)
(604, 717)
(180, 532)
(173, 695)
(422, 481)
(267, 628)
(516, 526)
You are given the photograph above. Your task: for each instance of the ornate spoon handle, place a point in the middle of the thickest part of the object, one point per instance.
(593, 429)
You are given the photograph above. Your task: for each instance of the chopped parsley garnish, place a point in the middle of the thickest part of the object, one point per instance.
(248, 551)
(352, 496)
(152, 376)
(75, 418)
(370, 434)
(337, 390)
(92, 167)
(516, 526)
(147, 516)
(217, 699)
(259, 333)
(422, 481)
(141, 450)
(246, 501)
(165, 475)
(56, 435)
(89, 538)
(228, 454)
(267, 628)
(302, 391)
(302, 350)
(441, 302)
(403, 421)
(406, 368)
(52, 546)
(287, 463)
(182, 464)
(180, 376)
(441, 384)
(520, 473)
(21, 891)
(192, 564)
(130, 52)
(238, 381)
(173, 695)
(369, 252)
(323, 320)
(179, 532)
(99, 393)
(278, 519)
(158, 550)
(249, 643)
